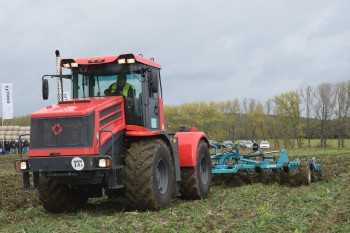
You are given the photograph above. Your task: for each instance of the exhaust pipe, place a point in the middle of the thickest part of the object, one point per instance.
(59, 79)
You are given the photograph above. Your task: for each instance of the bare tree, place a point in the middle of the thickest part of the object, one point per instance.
(244, 113)
(324, 108)
(252, 123)
(342, 110)
(229, 110)
(268, 106)
(308, 99)
(270, 120)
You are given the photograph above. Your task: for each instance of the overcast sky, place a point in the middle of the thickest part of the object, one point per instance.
(209, 50)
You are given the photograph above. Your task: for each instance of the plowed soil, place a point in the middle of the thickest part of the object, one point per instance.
(14, 197)
(11, 188)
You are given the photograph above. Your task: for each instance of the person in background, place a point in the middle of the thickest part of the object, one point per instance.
(16, 147)
(12, 147)
(6, 147)
(25, 146)
(255, 146)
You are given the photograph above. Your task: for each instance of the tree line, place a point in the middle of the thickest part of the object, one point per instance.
(320, 112)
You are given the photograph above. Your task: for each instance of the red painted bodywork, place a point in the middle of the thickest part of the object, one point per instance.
(187, 141)
(139, 131)
(161, 114)
(111, 58)
(188, 145)
(81, 107)
(76, 107)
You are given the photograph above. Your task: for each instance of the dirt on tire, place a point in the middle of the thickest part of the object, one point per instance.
(141, 175)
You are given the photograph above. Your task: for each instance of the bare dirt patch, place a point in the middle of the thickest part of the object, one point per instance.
(11, 188)
(13, 196)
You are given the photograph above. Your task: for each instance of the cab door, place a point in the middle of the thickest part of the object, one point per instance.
(152, 96)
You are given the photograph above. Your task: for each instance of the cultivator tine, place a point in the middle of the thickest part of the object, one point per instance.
(257, 168)
(286, 167)
(316, 170)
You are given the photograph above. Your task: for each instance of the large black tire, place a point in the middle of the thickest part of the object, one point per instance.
(57, 198)
(196, 181)
(149, 175)
(114, 193)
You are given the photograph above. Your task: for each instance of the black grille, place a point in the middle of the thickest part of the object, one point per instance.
(109, 110)
(62, 132)
(110, 118)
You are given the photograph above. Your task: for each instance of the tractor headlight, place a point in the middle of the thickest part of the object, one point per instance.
(130, 60)
(121, 61)
(22, 165)
(104, 162)
(70, 65)
(74, 64)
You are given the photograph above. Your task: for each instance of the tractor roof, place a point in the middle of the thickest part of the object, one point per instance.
(110, 59)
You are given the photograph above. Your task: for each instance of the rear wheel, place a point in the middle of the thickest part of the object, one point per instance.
(56, 197)
(196, 181)
(149, 175)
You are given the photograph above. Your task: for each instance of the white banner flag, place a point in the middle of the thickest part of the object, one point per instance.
(66, 95)
(7, 101)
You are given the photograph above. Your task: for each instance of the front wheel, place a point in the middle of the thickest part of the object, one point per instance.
(57, 198)
(196, 181)
(149, 175)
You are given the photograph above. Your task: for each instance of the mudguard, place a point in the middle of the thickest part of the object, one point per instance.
(188, 145)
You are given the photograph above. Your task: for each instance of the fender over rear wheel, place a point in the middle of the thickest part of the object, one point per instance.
(196, 181)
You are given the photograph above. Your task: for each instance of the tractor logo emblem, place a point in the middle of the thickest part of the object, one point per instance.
(56, 129)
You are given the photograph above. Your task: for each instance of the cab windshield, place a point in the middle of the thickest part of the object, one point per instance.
(94, 80)
(103, 80)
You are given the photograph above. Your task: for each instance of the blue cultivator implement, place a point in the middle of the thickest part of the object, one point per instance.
(301, 171)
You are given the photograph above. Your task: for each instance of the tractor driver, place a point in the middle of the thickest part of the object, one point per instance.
(121, 87)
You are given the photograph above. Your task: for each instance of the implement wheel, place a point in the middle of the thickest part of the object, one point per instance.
(149, 175)
(196, 181)
(57, 198)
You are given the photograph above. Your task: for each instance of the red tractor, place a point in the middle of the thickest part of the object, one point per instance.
(113, 141)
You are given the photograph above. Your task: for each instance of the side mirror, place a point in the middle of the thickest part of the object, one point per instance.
(143, 71)
(45, 89)
(153, 83)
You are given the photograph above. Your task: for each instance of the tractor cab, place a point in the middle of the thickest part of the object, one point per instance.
(132, 77)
